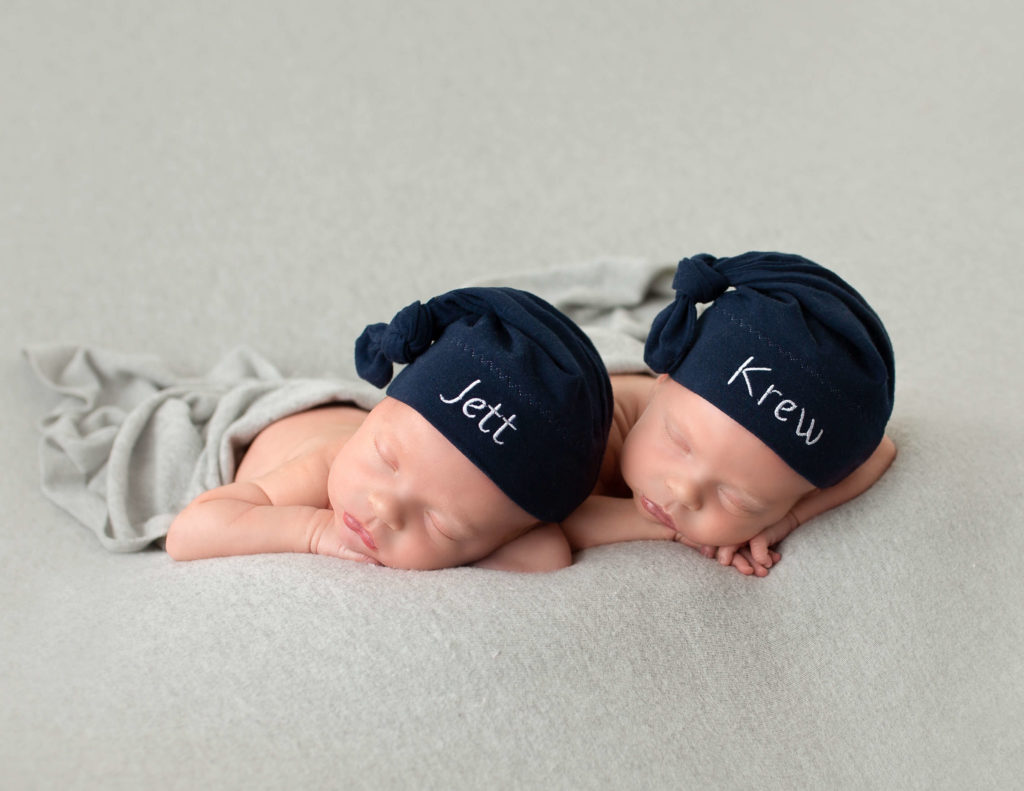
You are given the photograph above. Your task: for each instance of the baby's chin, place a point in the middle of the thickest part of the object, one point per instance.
(694, 538)
(412, 561)
(737, 539)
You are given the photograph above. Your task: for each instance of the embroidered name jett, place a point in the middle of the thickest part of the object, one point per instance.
(782, 407)
(473, 406)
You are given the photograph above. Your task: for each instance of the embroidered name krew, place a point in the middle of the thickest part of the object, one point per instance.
(783, 407)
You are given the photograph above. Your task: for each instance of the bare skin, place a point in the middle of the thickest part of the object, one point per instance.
(387, 488)
(383, 487)
(679, 468)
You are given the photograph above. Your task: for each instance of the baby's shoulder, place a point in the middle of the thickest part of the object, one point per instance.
(318, 430)
(631, 392)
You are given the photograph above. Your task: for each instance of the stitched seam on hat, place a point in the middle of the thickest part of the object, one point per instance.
(514, 388)
(800, 362)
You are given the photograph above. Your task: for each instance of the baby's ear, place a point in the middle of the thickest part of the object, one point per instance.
(543, 548)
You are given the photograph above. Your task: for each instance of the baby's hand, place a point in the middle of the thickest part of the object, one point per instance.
(757, 556)
(325, 539)
(737, 555)
(745, 559)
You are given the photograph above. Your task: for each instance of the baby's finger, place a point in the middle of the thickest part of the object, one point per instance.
(759, 551)
(741, 564)
(759, 569)
(776, 557)
(726, 555)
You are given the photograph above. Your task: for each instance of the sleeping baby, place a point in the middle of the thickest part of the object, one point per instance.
(769, 409)
(490, 436)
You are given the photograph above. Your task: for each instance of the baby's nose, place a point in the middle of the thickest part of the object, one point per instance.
(685, 492)
(387, 509)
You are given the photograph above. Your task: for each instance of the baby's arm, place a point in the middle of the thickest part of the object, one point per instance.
(286, 510)
(543, 548)
(599, 520)
(608, 520)
(758, 558)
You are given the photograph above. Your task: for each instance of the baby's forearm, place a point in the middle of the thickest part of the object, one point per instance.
(854, 484)
(609, 520)
(244, 524)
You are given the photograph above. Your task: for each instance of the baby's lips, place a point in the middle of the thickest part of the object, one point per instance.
(658, 512)
(356, 527)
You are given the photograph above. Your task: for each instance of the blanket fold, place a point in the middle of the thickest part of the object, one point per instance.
(130, 443)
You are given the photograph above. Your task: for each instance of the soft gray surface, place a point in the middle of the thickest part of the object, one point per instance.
(182, 178)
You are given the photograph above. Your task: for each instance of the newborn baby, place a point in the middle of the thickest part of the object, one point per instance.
(491, 435)
(770, 408)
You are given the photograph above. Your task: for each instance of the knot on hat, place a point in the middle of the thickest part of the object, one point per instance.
(698, 279)
(409, 334)
(673, 331)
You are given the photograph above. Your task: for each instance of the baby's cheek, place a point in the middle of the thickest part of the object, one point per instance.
(635, 474)
(724, 533)
(481, 548)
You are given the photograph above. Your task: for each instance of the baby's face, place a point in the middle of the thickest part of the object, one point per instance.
(692, 467)
(409, 498)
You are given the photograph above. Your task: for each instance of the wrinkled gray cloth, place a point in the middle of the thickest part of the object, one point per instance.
(613, 300)
(130, 443)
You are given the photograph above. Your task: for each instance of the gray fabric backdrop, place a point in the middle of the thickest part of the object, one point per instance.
(184, 178)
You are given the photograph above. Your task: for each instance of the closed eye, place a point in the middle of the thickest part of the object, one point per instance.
(385, 456)
(436, 523)
(677, 438)
(738, 501)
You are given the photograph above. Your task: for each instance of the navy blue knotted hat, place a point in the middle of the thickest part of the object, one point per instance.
(509, 380)
(787, 349)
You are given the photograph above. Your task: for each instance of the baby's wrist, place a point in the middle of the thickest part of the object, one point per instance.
(323, 523)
